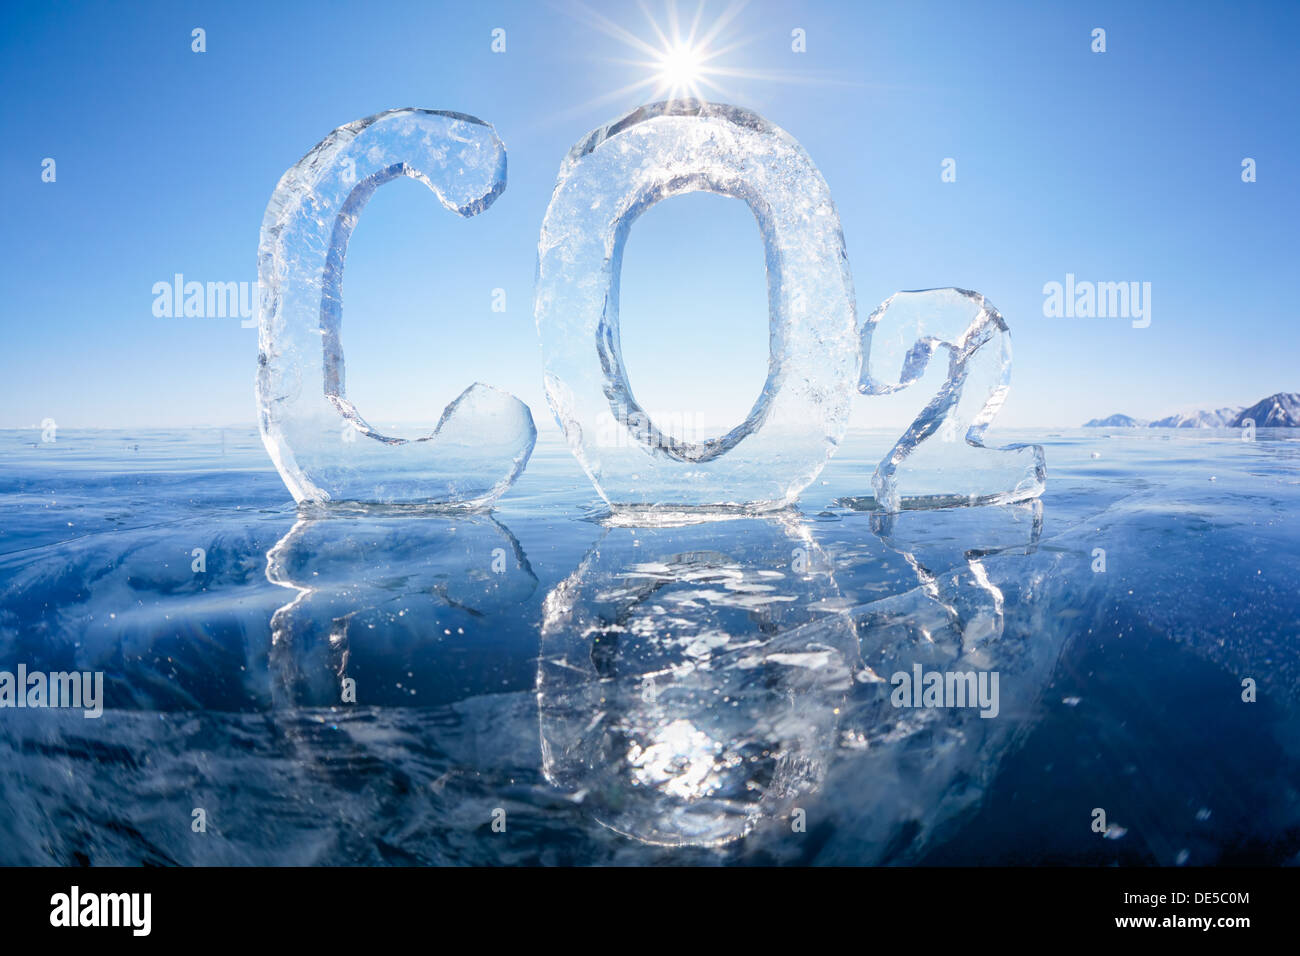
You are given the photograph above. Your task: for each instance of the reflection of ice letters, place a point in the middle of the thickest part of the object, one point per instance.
(485, 436)
(689, 692)
(382, 599)
(911, 771)
(955, 611)
(926, 467)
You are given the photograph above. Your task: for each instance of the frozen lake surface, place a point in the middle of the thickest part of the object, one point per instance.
(534, 686)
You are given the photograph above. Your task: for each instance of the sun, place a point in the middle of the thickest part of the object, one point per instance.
(680, 69)
(682, 59)
(678, 60)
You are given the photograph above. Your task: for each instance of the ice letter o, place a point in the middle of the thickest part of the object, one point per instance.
(324, 448)
(609, 179)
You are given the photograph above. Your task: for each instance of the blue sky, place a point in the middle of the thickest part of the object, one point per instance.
(1121, 166)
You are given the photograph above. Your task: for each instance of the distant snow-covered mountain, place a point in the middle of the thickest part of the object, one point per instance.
(1200, 418)
(1115, 421)
(1277, 411)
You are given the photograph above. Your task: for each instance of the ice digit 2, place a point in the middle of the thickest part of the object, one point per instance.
(941, 459)
(320, 441)
(609, 179)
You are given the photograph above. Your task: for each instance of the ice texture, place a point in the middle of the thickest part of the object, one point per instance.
(396, 603)
(687, 691)
(414, 778)
(984, 600)
(610, 178)
(324, 448)
(941, 459)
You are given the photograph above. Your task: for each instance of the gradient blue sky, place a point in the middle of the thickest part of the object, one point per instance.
(1117, 166)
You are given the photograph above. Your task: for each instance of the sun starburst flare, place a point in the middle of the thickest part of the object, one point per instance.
(680, 60)
(684, 59)
(679, 69)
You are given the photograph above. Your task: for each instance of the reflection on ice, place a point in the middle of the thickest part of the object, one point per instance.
(692, 691)
(1117, 689)
(389, 601)
(689, 687)
(912, 770)
(966, 603)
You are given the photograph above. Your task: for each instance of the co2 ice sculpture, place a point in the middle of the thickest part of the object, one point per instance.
(322, 445)
(941, 460)
(610, 178)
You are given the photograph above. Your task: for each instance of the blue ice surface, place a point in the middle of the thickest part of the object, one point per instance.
(1120, 689)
